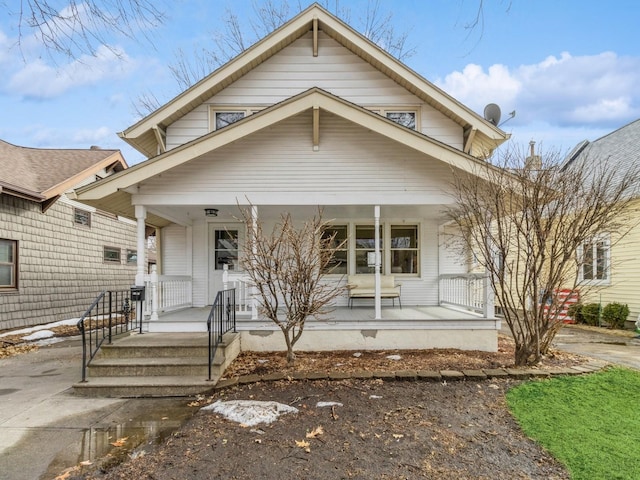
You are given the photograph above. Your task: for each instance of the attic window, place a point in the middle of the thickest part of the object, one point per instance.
(406, 119)
(223, 119)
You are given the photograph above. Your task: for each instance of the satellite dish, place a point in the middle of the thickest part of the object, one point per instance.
(492, 113)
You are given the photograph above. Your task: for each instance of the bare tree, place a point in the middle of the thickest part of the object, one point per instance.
(288, 267)
(83, 26)
(527, 220)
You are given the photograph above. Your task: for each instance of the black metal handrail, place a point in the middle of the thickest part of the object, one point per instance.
(222, 319)
(110, 314)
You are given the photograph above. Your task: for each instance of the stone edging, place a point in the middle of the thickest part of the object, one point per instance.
(425, 375)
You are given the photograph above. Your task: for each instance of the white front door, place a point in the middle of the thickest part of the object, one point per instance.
(225, 244)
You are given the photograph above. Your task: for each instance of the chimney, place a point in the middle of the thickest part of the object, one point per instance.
(94, 147)
(533, 161)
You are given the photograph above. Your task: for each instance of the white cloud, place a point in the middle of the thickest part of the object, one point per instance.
(40, 80)
(566, 91)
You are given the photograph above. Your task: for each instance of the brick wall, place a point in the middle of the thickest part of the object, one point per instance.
(61, 268)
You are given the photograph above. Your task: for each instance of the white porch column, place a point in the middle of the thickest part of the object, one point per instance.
(254, 289)
(153, 282)
(141, 216)
(378, 306)
(487, 290)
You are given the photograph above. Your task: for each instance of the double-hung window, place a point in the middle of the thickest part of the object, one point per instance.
(338, 236)
(594, 258)
(404, 249)
(81, 217)
(8, 264)
(365, 247)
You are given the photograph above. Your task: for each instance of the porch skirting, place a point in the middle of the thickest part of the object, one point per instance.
(464, 335)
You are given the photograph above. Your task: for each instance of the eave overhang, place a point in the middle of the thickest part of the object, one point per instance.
(142, 135)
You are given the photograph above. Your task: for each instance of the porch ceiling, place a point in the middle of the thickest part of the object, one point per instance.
(188, 214)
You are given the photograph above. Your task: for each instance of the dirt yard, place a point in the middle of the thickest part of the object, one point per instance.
(376, 429)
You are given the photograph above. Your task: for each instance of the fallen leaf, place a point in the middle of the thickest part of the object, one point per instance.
(315, 432)
(120, 442)
(303, 444)
(257, 440)
(398, 435)
(86, 462)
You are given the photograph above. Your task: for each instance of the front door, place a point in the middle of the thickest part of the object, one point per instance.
(224, 249)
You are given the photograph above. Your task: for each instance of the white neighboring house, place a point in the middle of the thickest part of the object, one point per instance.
(314, 115)
(57, 255)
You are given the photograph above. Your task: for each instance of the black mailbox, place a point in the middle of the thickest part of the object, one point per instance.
(137, 294)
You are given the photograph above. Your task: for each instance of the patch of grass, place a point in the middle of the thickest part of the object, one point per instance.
(590, 423)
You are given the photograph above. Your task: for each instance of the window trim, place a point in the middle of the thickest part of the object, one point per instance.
(415, 249)
(416, 109)
(108, 260)
(14, 266)
(77, 211)
(130, 253)
(594, 241)
(214, 109)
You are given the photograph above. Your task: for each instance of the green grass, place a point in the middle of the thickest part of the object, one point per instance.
(589, 423)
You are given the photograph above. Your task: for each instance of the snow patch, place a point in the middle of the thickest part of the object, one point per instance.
(357, 354)
(40, 334)
(375, 397)
(394, 357)
(250, 412)
(71, 321)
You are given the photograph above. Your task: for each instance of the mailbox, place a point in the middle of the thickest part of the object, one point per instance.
(137, 294)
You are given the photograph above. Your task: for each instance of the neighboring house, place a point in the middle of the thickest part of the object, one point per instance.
(611, 268)
(56, 255)
(312, 115)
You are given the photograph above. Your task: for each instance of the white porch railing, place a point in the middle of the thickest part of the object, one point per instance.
(245, 299)
(165, 293)
(467, 291)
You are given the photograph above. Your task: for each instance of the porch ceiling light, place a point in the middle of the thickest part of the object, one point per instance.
(211, 212)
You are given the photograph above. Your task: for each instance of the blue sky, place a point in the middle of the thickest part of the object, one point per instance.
(570, 69)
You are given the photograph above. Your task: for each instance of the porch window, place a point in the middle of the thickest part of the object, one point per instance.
(406, 119)
(365, 243)
(111, 255)
(81, 217)
(339, 265)
(404, 249)
(8, 264)
(594, 259)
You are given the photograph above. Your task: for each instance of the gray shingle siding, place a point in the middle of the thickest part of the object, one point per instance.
(61, 267)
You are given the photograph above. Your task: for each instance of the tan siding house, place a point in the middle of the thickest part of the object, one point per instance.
(53, 251)
(314, 115)
(618, 278)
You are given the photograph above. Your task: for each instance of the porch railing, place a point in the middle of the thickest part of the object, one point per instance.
(165, 293)
(222, 319)
(110, 314)
(241, 283)
(463, 290)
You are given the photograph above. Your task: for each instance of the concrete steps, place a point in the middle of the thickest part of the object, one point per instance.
(157, 365)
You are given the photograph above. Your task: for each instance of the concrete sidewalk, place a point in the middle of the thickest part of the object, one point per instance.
(45, 428)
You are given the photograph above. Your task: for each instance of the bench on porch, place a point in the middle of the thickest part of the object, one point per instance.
(364, 286)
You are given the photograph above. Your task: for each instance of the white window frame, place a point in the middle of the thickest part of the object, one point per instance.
(595, 245)
(13, 265)
(385, 111)
(345, 247)
(415, 249)
(213, 110)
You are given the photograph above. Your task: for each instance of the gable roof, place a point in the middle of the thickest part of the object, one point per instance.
(113, 193)
(620, 150)
(40, 174)
(143, 135)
